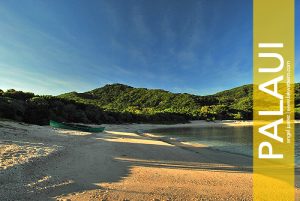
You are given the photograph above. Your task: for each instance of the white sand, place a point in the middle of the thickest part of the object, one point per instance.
(41, 163)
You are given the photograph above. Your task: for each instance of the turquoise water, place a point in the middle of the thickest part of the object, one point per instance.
(231, 139)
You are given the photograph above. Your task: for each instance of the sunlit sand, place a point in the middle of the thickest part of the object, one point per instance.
(118, 164)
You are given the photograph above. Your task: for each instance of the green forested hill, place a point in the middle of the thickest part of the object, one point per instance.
(231, 104)
(118, 103)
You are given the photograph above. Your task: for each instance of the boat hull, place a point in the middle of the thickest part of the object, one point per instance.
(76, 127)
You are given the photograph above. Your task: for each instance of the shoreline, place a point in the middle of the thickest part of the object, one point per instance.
(121, 164)
(188, 146)
(203, 124)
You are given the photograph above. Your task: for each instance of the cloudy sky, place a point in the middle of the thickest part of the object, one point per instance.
(200, 47)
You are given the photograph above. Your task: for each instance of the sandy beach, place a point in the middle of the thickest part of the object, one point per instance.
(122, 163)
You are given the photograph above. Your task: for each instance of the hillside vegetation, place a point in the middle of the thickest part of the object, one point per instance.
(118, 103)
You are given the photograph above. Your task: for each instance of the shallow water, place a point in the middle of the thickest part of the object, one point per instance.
(231, 139)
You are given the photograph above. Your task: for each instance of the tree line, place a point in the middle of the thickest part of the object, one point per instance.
(118, 103)
(34, 109)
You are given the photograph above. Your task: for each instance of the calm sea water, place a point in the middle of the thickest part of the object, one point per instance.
(230, 139)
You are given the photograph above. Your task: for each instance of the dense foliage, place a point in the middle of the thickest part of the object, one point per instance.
(119, 103)
(231, 104)
(30, 108)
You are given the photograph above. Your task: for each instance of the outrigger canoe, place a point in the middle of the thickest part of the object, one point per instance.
(79, 127)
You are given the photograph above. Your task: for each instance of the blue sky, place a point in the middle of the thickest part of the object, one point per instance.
(200, 47)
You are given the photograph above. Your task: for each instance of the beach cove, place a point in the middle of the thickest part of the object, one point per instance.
(122, 163)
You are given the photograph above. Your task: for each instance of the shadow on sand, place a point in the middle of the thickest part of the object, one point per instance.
(88, 161)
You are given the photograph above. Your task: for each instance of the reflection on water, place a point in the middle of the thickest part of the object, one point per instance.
(231, 139)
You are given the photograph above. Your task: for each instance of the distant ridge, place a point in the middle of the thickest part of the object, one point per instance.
(235, 103)
(119, 103)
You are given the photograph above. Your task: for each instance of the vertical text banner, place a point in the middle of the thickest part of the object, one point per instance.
(273, 100)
